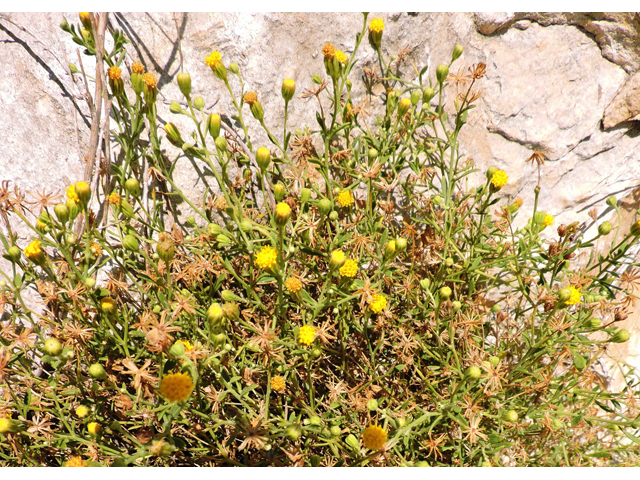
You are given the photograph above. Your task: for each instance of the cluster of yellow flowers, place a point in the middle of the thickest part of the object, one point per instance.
(374, 437)
(499, 179)
(307, 334)
(176, 387)
(267, 257)
(349, 269)
(378, 303)
(345, 198)
(278, 384)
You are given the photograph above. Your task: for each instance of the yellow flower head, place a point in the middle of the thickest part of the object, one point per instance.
(341, 56)
(71, 193)
(149, 80)
(176, 387)
(96, 249)
(94, 428)
(293, 285)
(349, 269)
(82, 411)
(213, 59)
(336, 259)
(5, 424)
(328, 50)
(114, 199)
(75, 462)
(376, 25)
(267, 257)
(137, 67)
(277, 384)
(84, 16)
(307, 334)
(548, 220)
(283, 212)
(345, 199)
(374, 437)
(288, 83)
(187, 345)
(575, 296)
(499, 179)
(114, 73)
(250, 98)
(378, 303)
(33, 250)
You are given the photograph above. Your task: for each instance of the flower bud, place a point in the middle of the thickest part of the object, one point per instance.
(333, 216)
(257, 111)
(221, 144)
(288, 89)
(305, 195)
(352, 441)
(425, 283)
(137, 82)
(441, 73)
(97, 371)
(175, 108)
(515, 206)
(94, 429)
(214, 125)
(198, 102)
(605, 228)
(620, 336)
(278, 192)
(177, 350)
(457, 51)
(62, 212)
(372, 405)
(161, 448)
(538, 217)
(511, 416)
(472, 373)
(234, 68)
(335, 431)
(14, 253)
(184, 82)
(403, 107)
(229, 296)
(445, 292)
(427, 95)
(82, 411)
(52, 346)
(215, 314)
(223, 240)
(231, 311)
(246, 225)
(130, 242)
(372, 154)
(376, 27)
(126, 208)
(592, 323)
(83, 191)
(90, 282)
(213, 229)
(336, 259)
(635, 229)
(324, 206)
(132, 186)
(115, 81)
(564, 295)
(108, 305)
(611, 201)
(283, 213)
(390, 249)
(263, 158)
(165, 249)
(294, 431)
(456, 305)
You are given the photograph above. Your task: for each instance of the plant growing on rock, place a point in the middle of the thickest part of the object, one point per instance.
(336, 297)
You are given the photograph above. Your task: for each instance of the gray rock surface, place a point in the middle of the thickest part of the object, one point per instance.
(563, 83)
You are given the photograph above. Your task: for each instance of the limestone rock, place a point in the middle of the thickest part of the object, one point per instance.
(626, 104)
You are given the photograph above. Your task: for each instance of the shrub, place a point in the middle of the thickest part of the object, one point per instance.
(337, 297)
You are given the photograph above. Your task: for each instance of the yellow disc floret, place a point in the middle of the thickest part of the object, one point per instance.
(213, 59)
(33, 250)
(499, 179)
(340, 55)
(307, 334)
(187, 345)
(75, 462)
(137, 67)
(114, 73)
(250, 98)
(374, 437)
(176, 387)
(345, 198)
(376, 25)
(328, 50)
(378, 303)
(267, 257)
(149, 80)
(71, 193)
(277, 384)
(575, 296)
(349, 269)
(548, 220)
(293, 285)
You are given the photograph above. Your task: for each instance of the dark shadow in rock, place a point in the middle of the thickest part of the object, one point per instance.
(52, 75)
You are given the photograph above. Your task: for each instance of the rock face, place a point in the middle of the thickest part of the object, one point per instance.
(565, 84)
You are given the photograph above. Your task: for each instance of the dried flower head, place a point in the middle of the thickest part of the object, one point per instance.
(328, 50)
(307, 334)
(250, 98)
(137, 67)
(176, 387)
(374, 437)
(114, 73)
(278, 384)
(499, 179)
(293, 285)
(345, 198)
(267, 257)
(378, 303)
(349, 269)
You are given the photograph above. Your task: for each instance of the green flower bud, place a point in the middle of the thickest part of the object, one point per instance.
(97, 371)
(130, 242)
(132, 186)
(457, 51)
(288, 89)
(234, 68)
(425, 283)
(564, 295)
(198, 102)
(184, 82)
(605, 228)
(333, 216)
(490, 172)
(448, 262)
(126, 208)
(214, 314)
(592, 323)
(611, 201)
(278, 192)
(293, 431)
(14, 253)
(263, 158)
(472, 373)
(52, 346)
(173, 135)
(372, 154)
(403, 107)
(335, 431)
(538, 217)
(231, 311)
(283, 213)
(257, 110)
(214, 229)
(223, 240)
(246, 225)
(495, 308)
(445, 292)
(305, 195)
(372, 405)
(352, 441)
(83, 191)
(511, 416)
(620, 336)
(316, 352)
(165, 249)
(422, 463)
(316, 79)
(324, 206)
(441, 73)
(177, 350)
(161, 448)
(62, 212)
(175, 107)
(90, 282)
(415, 97)
(456, 305)
(214, 122)
(221, 144)
(401, 244)
(427, 95)
(390, 249)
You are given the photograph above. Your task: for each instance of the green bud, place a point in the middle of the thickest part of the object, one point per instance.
(165, 249)
(229, 296)
(335, 431)
(352, 441)
(231, 311)
(372, 405)
(184, 82)
(246, 225)
(214, 122)
(333, 216)
(441, 73)
(564, 295)
(538, 217)
(316, 352)
(215, 314)
(198, 102)
(52, 346)
(472, 373)
(620, 336)
(315, 460)
(62, 212)
(173, 135)
(456, 305)
(445, 292)
(490, 172)
(278, 192)
(437, 200)
(427, 95)
(177, 350)
(495, 308)
(213, 229)
(263, 158)
(234, 68)
(175, 107)
(324, 206)
(457, 51)
(422, 463)
(305, 195)
(425, 283)
(592, 323)
(130, 243)
(448, 262)
(372, 154)
(415, 97)
(611, 201)
(221, 144)
(605, 228)
(510, 416)
(288, 89)
(97, 371)
(316, 79)
(132, 186)
(14, 253)
(390, 249)
(486, 464)
(223, 240)
(90, 283)
(401, 244)
(294, 431)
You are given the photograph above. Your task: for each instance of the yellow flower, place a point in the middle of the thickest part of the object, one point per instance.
(293, 285)
(96, 249)
(137, 67)
(75, 462)
(378, 304)
(267, 257)
(187, 345)
(342, 58)
(283, 213)
(94, 428)
(82, 411)
(575, 296)
(149, 80)
(213, 59)
(499, 179)
(328, 50)
(277, 384)
(84, 16)
(33, 251)
(337, 259)
(374, 437)
(114, 199)
(176, 387)
(345, 199)
(5, 424)
(71, 193)
(114, 73)
(250, 98)
(376, 25)
(548, 220)
(349, 269)
(306, 335)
